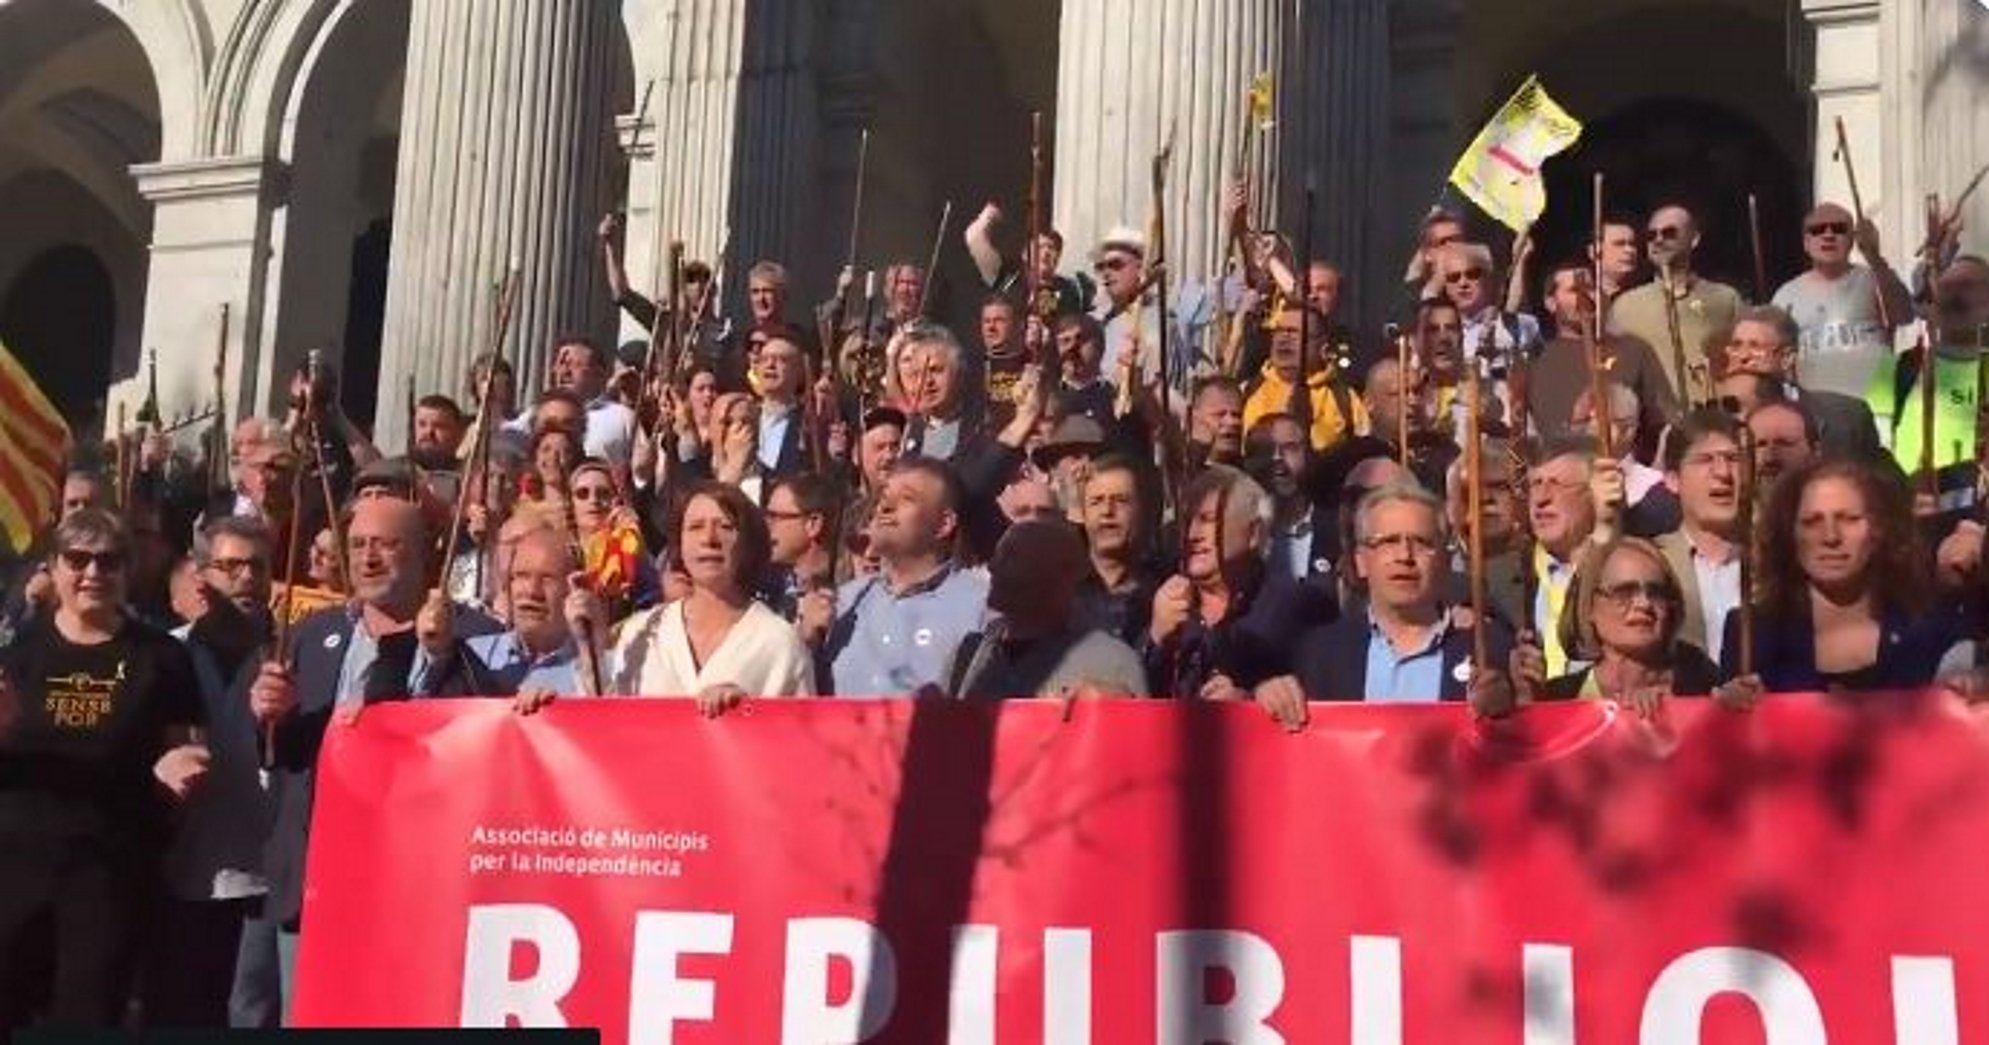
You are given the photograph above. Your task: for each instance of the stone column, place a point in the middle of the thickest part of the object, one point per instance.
(730, 135)
(505, 155)
(1335, 115)
(1131, 70)
(1951, 46)
(210, 234)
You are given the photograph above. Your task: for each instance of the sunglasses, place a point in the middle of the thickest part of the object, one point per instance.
(80, 559)
(1621, 593)
(1830, 228)
(1663, 232)
(1110, 265)
(1473, 274)
(593, 493)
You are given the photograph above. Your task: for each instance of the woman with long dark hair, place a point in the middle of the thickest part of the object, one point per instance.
(1846, 598)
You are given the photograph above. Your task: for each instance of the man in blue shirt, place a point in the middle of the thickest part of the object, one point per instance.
(536, 657)
(894, 633)
(1404, 645)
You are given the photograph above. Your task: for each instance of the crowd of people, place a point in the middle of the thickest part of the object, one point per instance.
(1089, 494)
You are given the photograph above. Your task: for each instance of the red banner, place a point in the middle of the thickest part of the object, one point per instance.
(833, 871)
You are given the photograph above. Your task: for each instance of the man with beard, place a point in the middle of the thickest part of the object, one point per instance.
(1785, 439)
(1086, 392)
(1225, 623)
(1562, 370)
(1403, 646)
(1844, 343)
(1278, 458)
(1761, 346)
(1040, 645)
(893, 633)
(1702, 466)
(438, 433)
(214, 865)
(1116, 512)
(1703, 305)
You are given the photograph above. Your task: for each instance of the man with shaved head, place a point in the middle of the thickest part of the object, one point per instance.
(394, 641)
(1703, 305)
(1845, 336)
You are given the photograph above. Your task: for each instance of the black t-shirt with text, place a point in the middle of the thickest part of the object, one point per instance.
(87, 724)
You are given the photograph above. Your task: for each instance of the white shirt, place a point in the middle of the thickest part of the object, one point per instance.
(762, 655)
(1719, 594)
(610, 431)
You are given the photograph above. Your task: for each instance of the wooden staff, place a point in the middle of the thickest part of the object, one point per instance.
(1843, 155)
(286, 607)
(1474, 512)
(856, 201)
(217, 462)
(1598, 385)
(1032, 280)
(932, 264)
(1404, 385)
(1688, 384)
(667, 341)
(1929, 382)
(120, 481)
(590, 658)
(480, 435)
(413, 497)
(1301, 398)
(870, 367)
(1157, 251)
(1754, 240)
(1744, 522)
(312, 363)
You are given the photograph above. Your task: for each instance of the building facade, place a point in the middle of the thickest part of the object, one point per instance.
(358, 177)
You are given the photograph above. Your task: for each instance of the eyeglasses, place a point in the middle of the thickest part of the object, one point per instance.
(237, 567)
(1472, 274)
(1623, 592)
(1110, 265)
(1417, 544)
(1663, 232)
(593, 493)
(1830, 228)
(79, 559)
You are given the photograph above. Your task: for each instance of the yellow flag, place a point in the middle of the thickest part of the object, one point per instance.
(1500, 171)
(1262, 103)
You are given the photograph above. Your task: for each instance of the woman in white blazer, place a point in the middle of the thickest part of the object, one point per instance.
(717, 644)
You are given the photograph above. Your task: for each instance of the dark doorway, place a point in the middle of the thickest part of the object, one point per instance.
(60, 320)
(365, 320)
(1696, 153)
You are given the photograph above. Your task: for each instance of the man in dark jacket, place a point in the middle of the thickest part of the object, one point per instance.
(392, 642)
(1404, 645)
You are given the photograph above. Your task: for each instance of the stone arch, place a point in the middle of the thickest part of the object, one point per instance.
(177, 42)
(79, 106)
(336, 132)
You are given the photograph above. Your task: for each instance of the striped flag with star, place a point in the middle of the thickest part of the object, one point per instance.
(34, 449)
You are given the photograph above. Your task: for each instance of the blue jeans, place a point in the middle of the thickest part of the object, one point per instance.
(286, 964)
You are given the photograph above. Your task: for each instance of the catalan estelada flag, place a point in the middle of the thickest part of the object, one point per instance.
(34, 448)
(1500, 171)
